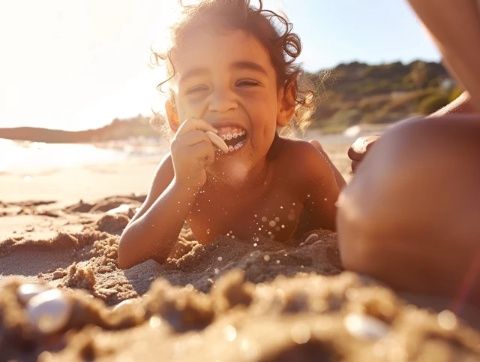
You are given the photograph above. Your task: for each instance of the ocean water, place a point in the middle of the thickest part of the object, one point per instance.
(21, 157)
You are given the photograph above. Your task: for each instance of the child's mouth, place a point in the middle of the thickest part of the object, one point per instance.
(234, 137)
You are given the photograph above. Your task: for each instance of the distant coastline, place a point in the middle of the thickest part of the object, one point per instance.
(347, 95)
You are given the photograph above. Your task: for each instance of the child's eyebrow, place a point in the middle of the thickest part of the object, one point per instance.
(249, 66)
(193, 72)
(236, 65)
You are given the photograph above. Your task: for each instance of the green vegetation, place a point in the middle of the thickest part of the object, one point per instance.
(358, 93)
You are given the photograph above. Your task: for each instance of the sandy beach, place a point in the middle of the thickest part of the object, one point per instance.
(233, 300)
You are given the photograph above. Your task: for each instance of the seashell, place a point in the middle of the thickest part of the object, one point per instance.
(217, 141)
(27, 291)
(122, 209)
(124, 304)
(49, 311)
(365, 327)
(311, 238)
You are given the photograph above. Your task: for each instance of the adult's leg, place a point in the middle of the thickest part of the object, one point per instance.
(411, 214)
(455, 28)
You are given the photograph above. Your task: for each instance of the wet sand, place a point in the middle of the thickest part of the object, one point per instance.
(232, 300)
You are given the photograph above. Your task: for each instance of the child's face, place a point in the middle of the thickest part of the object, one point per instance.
(227, 79)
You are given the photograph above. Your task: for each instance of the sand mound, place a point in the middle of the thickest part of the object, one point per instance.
(229, 301)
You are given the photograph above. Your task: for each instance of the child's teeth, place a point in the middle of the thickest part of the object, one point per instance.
(230, 148)
(229, 136)
(217, 141)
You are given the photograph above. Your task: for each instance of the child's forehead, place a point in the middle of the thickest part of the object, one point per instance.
(211, 48)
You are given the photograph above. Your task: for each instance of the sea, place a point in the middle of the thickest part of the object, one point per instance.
(25, 157)
(20, 157)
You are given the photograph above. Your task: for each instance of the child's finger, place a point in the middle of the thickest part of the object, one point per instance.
(204, 152)
(190, 138)
(196, 124)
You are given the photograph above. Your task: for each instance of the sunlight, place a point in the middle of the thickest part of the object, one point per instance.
(79, 65)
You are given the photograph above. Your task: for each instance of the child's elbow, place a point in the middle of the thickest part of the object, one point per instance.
(124, 260)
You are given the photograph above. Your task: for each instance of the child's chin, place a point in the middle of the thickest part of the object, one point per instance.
(232, 172)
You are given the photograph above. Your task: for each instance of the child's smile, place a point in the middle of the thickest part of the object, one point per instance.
(234, 137)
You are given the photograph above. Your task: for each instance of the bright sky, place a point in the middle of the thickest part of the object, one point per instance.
(79, 64)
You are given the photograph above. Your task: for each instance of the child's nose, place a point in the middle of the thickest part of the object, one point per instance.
(222, 100)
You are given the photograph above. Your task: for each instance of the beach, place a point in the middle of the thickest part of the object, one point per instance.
(233, 300)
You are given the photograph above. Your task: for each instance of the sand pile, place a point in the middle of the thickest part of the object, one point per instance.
(229, 301)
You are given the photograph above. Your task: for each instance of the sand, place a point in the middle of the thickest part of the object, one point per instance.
(233, 300)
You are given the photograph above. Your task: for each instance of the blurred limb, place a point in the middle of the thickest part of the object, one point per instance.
(409, 217)
(455, 28)
(461, 104)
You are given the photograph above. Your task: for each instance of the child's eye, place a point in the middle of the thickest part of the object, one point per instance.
(247, 83)
(197, 89)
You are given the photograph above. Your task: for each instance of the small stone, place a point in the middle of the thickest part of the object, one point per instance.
(447, 320)
(365, 327)
(124, 304)
(27, 291)
(155, 322)
(300, 333)
(49, 311)
(122, 209)
(230, 333)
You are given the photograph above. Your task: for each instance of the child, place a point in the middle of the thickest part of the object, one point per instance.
(232, 81)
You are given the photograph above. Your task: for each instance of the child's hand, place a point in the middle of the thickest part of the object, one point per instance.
(359, 149)
(192, 151)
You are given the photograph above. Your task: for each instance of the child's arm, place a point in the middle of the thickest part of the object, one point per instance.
(155, 228)
(321, 188)
(338, 176)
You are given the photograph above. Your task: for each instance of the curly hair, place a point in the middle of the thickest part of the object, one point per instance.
(272, 30)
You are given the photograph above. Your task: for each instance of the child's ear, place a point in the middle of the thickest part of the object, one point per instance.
(287, 96)
(172, 114)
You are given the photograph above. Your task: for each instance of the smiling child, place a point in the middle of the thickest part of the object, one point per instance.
(233, 85)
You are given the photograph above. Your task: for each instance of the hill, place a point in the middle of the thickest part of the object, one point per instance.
(358, 93)
(119, 129)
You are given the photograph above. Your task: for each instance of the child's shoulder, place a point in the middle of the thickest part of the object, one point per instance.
(298, 151)
(301, 159)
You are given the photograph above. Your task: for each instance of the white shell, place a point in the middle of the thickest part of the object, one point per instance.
(365, 327)
(27, 291)
(123, 208)
(217, 141)
(49, 311)
(124, 304)
(310, 238)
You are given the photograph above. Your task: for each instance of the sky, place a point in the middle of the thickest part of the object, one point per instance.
(77, 65)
